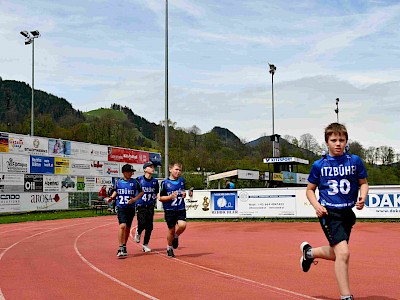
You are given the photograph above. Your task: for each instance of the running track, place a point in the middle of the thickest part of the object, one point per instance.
(76, 259)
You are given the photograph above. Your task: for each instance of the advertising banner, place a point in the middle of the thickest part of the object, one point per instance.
(18, 202)
(127, 155)
(302, 178)
(267, 203)
(59, 147)
(198, 206)
(224, 204)
(289, 177)
(15, 144)
(51, 183)
(100, 181)
(42, 164)
(381, 203)
(33, 183)
(3, 142)
(97, 168)
(16, 163)
(112, 169)
(11, 183)
(277, 176)
(36, 145)
(79, 167)
(98, 152)
(80, 150)
(68, 183)
(90, 184)
(61, 165)
(80, 184)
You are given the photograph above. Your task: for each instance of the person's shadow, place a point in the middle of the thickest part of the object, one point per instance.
(362, 298)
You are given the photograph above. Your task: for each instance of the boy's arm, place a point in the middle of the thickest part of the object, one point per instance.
(310, 193)
(363, 193)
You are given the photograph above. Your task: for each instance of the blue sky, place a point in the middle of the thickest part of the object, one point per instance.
(94, 53)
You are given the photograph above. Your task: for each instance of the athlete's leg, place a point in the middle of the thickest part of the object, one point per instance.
(342, 253)
(324, 252)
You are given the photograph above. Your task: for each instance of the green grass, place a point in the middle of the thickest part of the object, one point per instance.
(111, 113)
(84, 213)
(48, 215)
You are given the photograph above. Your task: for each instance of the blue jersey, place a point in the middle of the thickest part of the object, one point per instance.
(126, 189)
(150, 188)
(337, 179)
(168, 186)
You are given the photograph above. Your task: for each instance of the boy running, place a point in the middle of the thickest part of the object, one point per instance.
(127, 190)
(339, 177)
(172, 194)
(145, 205)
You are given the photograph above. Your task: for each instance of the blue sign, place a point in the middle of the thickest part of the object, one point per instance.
(42, 164)
(224, 200)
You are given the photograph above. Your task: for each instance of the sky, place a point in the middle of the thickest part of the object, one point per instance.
(94, 53)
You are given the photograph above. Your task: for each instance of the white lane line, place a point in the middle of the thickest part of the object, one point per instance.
(2, 296)
(104, 273)
(275, 289)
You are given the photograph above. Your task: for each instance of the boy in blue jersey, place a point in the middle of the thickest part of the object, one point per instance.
(341, 179)
(172, 195)
(145, 205)
(126, 191)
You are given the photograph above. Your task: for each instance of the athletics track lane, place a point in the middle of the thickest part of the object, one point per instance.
(75, 259)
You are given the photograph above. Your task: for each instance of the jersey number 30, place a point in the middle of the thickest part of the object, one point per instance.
(343, 184)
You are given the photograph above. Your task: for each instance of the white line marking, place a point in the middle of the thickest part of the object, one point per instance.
(2, 296)
(104, 273)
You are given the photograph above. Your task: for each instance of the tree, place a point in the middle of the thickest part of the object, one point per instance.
(386, 155)
(308, 142)
(356, 148)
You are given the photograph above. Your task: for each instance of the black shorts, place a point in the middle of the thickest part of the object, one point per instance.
(337, 225)
(173, 216)
(126, 215)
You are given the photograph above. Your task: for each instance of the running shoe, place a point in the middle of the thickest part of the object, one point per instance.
(170, 253)
(120, 252)
(146, 248)
(304, 261)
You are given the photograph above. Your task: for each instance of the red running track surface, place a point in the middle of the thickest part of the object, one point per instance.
(76, 259)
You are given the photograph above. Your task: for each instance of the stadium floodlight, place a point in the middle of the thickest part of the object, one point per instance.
(29, 39)
(25, 33)
(35, 33)
(272, 70)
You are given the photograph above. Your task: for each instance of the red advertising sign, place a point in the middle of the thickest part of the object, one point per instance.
(127, 155)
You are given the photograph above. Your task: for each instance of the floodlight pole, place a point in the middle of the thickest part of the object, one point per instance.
(166, 91)
(337, 110)
(272, 70)
(30, 39)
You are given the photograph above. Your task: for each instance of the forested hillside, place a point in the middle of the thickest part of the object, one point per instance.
(215, 151)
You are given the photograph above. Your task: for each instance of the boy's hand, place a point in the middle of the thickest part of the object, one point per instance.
(321, 210)
(360, 203)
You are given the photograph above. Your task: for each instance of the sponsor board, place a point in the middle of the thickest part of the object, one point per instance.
(59, 147)
(98, 152)
(79, 167)
(90, 184)
(68, 183)
(112, 169)
(36, 146)
(266, 203)
(33, 183)
(42, 164)
(96, 168)
(224, 203)
(16, 163)
(61, 165)
(15, 202)
(127, 155)
(16, 144)
(80, 184)
(289, 177)
(11, 183)
(3, 142)
(80, 150)
(51, 183)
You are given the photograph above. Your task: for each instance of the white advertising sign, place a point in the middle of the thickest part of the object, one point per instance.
(248, 174)
(15, 144)
(79, 167)
(68, 183)
(11, 183)
(90, 184)
(198, 206)
(15, 202)
(51, 183)
(267, 203)
(112, 169)
(81, 150)
(16, 163)
(99, 152)
(96, 168)
(36, 146)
